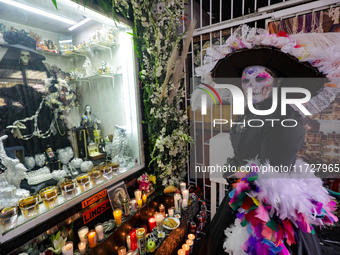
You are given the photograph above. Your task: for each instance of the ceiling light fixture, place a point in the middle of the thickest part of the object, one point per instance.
(38, 11)
(79, 24)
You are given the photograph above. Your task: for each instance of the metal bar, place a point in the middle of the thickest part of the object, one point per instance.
(203, 149)
(213, 200)
(193, 87)
(221, 10)
(210, 16)
(231, 9)
(282, 5)
(243, 7)
(201, 14)
(255, 5)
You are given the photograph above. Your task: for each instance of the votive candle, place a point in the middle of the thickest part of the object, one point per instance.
(82, 247)
(182, 186)
(128, 242)
(67, 249)
(138, 194)
(122, 250)
(191, 245)
(100, 231)
(159, 221)
(92, 236)
(185, 194)
(144, 198)
(133, 205)
(82, 233)
(184, 203)
(177, 198)
(162, 209)
(139, 202)
(191, 237)
(181, 252)
(186, 248)
(152, 223)
(171, 212)
(117, 214)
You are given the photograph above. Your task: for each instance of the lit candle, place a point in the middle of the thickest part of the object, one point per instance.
(138, 194)
(139, 202)
(100, 231)
(92, 236)
(144, 198)
(171, 212)
(128, 242)
(152, 223)
(191, 245)
(191, 237)
(186, 248)
(82, 233)
(177, 198)
(67, 249)
(162, 209)
(117, 214)
(181, 252)
(133, 205)
(182, 186)
(133, 238)
(82, 247)
(185, 194)
(122, 250)
(159, 221)
(184, 203)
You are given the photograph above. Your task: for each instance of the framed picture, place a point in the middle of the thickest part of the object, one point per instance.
(116, 195)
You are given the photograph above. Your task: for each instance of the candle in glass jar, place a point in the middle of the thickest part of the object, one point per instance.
(138, 194)
(181, 252)
(82, 247)
(140, 202)
(117, 214)
(186, 248)
(159, 221)
(128, 242)
(122, 250)
(133, 205)
(184, 203)
(92, 236)
(185, 194)
(67, 249)
(162, 209)
(82, 234)
(177, 198)
(100, 231)
(182, 186)
(152, 223)
(191, 245)
(133, 238)
(171, 212)
(144, 198)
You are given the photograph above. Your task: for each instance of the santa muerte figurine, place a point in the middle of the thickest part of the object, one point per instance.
(52, 162)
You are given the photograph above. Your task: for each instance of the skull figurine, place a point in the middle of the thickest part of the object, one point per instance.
(260, 79)
(25, 57)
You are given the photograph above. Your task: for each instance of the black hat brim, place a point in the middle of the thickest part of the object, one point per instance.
(35, 55)
(285, 65)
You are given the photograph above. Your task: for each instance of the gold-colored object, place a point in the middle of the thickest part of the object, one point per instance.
(96, 176)
(29, 206)
(49, 196)
(114, 166)
(170, 189)
(8, 218)
(107, 172)
(83, 181)
(68, 188)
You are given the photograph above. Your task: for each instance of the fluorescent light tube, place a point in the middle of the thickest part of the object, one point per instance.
(79, 24)
(65, 41)
(38, 11)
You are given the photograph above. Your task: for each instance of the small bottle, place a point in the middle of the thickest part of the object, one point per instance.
(205, 212)
(126, 207)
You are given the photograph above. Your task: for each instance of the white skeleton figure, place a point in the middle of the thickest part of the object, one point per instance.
(25, 57)
(260, 80)
(15, 172)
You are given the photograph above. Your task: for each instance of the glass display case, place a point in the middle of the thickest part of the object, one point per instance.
(69, 109)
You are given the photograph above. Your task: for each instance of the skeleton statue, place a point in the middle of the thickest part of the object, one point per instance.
(260, 79)
(25, 57)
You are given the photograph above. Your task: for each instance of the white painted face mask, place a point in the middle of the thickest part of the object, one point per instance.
(25, 57)
(260, 80)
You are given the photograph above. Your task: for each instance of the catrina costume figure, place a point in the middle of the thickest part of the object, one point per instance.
(273, 212)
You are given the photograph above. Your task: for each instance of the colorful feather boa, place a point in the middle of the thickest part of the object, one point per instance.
(271, 208)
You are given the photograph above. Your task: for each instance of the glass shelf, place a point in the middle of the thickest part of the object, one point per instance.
(106, 75)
